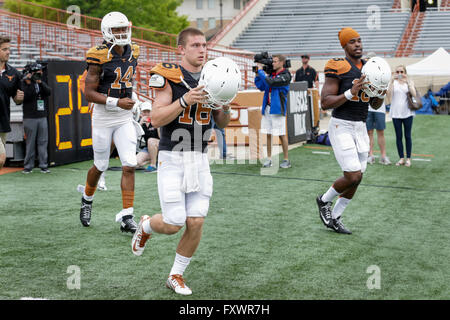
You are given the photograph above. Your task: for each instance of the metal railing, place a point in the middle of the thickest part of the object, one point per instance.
(37, 10)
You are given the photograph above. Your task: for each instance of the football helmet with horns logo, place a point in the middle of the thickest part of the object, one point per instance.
(378, 74)
(116, 20)
(222, 80)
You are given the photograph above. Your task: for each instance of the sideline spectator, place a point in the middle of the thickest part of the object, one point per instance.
(274, 106)
(307, 73)
(376, 119)
(35, 111)
(9, 87)
(402, 116)
(150, 139)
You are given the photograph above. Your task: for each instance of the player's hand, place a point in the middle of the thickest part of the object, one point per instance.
(358, 85)
(196, 95)
(126, 103)
(19, 95)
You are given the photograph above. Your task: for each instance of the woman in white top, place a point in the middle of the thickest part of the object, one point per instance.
(402, 116)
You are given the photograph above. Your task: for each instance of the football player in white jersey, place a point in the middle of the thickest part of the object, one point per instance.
(111, 67)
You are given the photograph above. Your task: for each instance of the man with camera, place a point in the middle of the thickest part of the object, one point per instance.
(35, 110)
(276, 87)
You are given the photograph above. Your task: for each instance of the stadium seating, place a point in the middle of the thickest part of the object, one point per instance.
(435, 32)
(296, 27)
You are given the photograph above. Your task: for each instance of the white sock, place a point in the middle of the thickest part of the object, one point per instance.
(339, 207)
(88, 198)
(330, 195)
(180, 264)
(147, 227)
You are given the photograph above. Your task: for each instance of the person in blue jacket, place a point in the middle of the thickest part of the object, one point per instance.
(274, 106)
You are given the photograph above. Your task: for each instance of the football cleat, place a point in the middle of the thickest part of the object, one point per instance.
(140, 238)
(85, 212)
(324, 211)
(177, 284)
(128, 224)
(338, 226)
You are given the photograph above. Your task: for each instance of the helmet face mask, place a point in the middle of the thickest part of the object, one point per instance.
(222, 79)
(111, 26)
(378, 74)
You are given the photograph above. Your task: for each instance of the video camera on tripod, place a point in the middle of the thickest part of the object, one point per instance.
(267, 62)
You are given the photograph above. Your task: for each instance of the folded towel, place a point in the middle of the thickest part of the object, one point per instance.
(190, 178)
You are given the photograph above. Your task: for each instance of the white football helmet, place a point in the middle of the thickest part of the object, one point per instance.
(136, 110)
(378, 74)
(222, 80)
(116, 20)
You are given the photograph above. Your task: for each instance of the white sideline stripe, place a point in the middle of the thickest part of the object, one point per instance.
(31, 298)
(321, 152)
(420, 159)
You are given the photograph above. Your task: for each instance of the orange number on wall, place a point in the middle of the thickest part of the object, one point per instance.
(82, 109)
(63, 145)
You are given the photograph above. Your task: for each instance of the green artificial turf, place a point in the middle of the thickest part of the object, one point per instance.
(262, 239)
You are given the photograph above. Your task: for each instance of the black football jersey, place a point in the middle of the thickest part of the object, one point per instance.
(116, 79)
(190, 131)
(347, 72)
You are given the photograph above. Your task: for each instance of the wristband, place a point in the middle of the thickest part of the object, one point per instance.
(348, 94)
(183, 102)
(112, 102)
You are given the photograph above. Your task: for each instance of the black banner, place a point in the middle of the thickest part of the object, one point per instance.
(299, 118)
(70, 133)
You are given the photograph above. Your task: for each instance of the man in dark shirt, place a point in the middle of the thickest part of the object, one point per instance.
(9, 87)
(307, 73)
(35, 117)
(343, 93)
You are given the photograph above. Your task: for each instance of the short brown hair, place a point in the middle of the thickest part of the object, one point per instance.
(182, 36)
(4, 39)
(280, 57)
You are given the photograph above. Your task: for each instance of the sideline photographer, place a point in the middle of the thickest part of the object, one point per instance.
(35, 110)
(276, 88)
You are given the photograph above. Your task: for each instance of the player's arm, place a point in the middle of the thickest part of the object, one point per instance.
(91, 93)
(164, 111)
(222, 116)
(330, 99)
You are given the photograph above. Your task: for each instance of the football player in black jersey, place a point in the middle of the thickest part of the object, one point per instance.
(184, 178)
(342, 92)
(111, 67)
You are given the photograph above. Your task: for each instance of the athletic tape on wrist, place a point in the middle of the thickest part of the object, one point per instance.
(112, 102)
(183, 102)
(348, 94)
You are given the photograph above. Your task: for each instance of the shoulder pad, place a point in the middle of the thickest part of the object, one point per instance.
(336, 67)
(170, 71)
(98, 55)
(157, 81)
(136, 50)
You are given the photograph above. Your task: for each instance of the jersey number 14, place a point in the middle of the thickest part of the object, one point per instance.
(126, 78)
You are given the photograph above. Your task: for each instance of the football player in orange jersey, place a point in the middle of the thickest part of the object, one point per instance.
(108, 85)
(184, 179)
(343, 93)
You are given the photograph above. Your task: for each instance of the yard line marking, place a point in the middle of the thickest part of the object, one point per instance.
(320, 152)
(327, 181)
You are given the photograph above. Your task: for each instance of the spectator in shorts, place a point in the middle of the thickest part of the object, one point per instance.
(149, 153)
(376, 120)
(273, 122)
